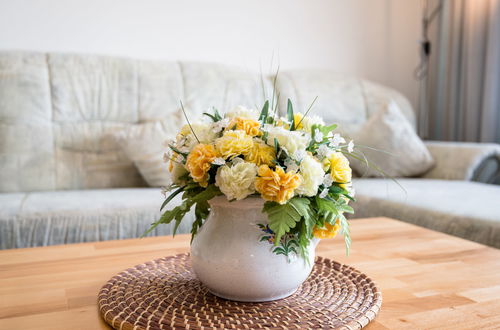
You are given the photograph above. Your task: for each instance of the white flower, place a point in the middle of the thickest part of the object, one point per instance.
(323, 151)
(178, 170)
(308, 121)
(312, 176)
(242, 112)
(186, 140)
(298, 155)
(291, 141)
(318, 136)
(327, 180)
(291, 165)
(350, 189)
(323, 193)
(220, 125)
(350, 146)
(219, 161)
(236, 181)
(337, 140)
(204, 132)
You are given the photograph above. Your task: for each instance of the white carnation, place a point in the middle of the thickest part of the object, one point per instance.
(241, 111)
(291, 165)
(327, 180)
(236, 181)
(204, 132)
(220, 125)
(178, 170)
(312, 176)
(308, 122)
(291, 141)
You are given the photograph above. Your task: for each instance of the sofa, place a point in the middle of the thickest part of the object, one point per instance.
(64, 180)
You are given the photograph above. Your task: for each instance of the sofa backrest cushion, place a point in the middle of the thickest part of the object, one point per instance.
(58, 112)
(344, 100)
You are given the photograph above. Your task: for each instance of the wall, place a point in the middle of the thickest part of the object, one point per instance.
(374, 39)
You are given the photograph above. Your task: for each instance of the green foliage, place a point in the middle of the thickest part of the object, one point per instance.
(187, 119)
(331, 210)
(290, 117)
(264, 113)
(169, 198)
(215, 116)
(196, 195)
(307, 111)
(283, 217)
(185, 154)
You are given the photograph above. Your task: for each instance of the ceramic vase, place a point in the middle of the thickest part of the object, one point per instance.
(231, 256)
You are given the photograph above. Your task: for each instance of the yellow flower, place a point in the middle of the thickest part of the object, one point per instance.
(297, 118)
(261, 154)
(329, 231)
(339, 168)
(276, 186)
(233, 143)
(199, 161)
(250, 126)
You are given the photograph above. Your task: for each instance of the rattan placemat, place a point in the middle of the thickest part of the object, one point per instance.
(165, 294)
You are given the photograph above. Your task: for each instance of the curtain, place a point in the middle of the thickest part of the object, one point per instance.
(462, 90)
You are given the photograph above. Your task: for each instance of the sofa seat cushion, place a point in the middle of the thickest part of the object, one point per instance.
(469, 210)
(60, 217)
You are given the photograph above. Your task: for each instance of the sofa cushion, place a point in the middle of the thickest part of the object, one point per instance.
(60, 217)
(145, 144)
(466, 209)
(400, 152)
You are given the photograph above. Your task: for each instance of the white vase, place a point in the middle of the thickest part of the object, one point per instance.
(230, 260)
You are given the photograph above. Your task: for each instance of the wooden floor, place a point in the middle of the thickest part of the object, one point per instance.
(428, 280)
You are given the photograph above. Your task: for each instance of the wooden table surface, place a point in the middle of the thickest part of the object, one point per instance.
(428, 279)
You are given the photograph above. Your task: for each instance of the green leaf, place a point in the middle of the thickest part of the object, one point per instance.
(264, 113)
(326, 206)
(290, 117)
(190, 197)
(327, 129)
(172, 195)
(187, 119)
(276, 146)
(211, 116)
(185, 154)
(283, 217)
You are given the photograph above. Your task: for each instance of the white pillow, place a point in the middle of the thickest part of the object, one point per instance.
(144, 144)
(405, 153)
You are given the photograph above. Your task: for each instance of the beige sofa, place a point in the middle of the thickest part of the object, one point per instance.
(63, 180)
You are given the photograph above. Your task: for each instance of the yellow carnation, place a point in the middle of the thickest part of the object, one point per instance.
(250, 126)
(261, 154)
(199, 161)
(339, 168)
(233, 143)
(297, 118)
(276, 186)
(329, 231)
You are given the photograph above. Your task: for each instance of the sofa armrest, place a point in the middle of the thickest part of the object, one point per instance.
(464, 161)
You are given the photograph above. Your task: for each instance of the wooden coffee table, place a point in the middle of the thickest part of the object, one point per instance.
(428, 279)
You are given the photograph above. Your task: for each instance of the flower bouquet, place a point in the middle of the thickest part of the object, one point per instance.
(292, 171)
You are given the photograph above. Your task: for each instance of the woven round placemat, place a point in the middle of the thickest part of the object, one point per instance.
(165, 294)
